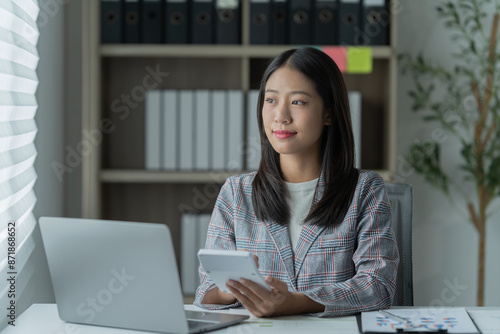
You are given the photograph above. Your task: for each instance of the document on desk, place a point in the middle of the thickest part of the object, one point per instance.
(488, 321)
(289, 324)
(454, 320)
(297, 324)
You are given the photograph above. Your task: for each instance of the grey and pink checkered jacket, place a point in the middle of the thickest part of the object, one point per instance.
(350, 267)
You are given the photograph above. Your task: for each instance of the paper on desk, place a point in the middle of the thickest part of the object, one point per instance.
(455, 320)
(291, 324)
(488, 321)
(297, 324)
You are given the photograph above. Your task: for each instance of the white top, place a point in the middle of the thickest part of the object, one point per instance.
(302, 195)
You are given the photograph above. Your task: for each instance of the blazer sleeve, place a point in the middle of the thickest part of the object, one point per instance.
(375, 259)
(220, 235)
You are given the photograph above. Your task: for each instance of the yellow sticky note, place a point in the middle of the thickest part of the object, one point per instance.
(359, 60)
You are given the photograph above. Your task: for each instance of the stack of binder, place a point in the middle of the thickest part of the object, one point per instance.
(194, 130)
(319, 22)
(193, 236)
(171, 21)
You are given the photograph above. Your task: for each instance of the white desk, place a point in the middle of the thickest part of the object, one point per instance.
(44, 319)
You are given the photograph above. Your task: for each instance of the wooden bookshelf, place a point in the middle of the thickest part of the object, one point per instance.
(115, 183)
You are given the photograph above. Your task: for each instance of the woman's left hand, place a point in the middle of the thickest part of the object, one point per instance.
(260, 302)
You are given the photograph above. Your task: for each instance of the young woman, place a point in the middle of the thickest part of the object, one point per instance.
(320, 228)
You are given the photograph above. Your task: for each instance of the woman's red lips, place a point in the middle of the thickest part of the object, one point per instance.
(283, 134)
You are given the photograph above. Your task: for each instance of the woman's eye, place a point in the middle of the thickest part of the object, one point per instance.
(270, 100)
(296, 102)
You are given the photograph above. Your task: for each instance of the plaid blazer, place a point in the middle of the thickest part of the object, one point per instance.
(349, 268)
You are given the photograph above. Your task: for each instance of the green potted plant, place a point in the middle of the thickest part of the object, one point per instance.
(476, 74)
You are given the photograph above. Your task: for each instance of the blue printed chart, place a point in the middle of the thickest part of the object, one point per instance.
(454, 320)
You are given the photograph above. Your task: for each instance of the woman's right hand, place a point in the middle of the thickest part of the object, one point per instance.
(215, 296)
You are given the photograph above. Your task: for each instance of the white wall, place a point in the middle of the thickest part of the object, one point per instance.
(445, 244)
(58, 120)
(50, 115)
(50, 137)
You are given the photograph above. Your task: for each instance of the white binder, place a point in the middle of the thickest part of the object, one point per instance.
(193, 238)
(235, 135)
(188, 254)
(253, 149)
(170, 110)
(153, 130)
(355, 104)
(219, 121)
(187, 117)
(202, 122)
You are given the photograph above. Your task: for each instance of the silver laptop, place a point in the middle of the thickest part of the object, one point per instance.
(120, 274)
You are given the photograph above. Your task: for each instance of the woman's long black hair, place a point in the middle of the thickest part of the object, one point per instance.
(270, 194)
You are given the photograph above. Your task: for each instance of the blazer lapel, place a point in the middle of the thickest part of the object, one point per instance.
(283, 245)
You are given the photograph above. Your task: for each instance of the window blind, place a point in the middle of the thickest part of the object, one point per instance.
(18, 84)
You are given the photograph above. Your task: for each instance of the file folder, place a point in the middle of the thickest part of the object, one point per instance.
(132, 21)
(260, 21)
(187, 133)
(219, 121)
(349, 21)
(189, 261)
(279, 22)
(356, 112)
(300, 22)
(111, 21)
(203, 148)
(253, 149)
(376, 20)
(194, 228)
(176, 27)
(152, 21)
(202, 17)
(153, 130)
(227, 21)
(325, 22)
(170, 128)
(235, 135)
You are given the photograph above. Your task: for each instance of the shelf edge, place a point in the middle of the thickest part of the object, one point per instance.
(142, 176)
(214, 51)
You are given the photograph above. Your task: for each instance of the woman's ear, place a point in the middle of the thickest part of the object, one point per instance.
(328, 120)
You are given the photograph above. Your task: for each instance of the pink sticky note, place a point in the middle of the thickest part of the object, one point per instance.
(339, 56)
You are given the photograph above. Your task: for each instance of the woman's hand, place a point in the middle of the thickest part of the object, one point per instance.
(262, 303)
(259, 301)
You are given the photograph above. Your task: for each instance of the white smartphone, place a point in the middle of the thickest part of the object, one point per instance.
(223, 265)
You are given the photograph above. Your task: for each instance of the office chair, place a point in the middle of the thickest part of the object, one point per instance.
(401, 198)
